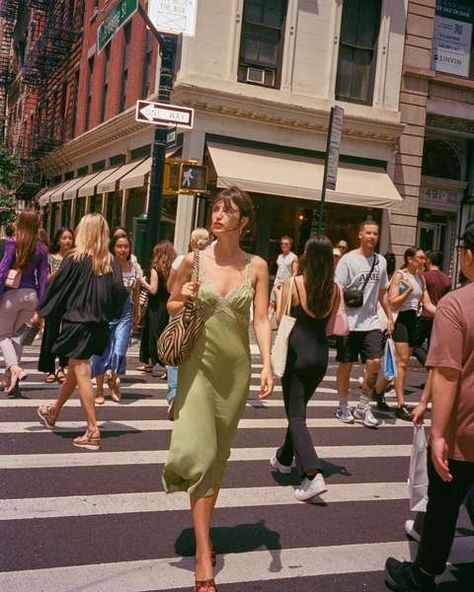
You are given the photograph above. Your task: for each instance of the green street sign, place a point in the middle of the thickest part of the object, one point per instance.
(114, 20)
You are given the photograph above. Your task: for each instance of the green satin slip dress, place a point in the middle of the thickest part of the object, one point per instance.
(213, 386)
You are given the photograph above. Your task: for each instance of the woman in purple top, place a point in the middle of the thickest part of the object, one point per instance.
(28, 257)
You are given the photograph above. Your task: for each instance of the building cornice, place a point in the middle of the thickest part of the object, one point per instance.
(290, 116)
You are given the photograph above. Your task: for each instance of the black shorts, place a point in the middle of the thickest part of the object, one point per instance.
(366, 344)
(405, 328)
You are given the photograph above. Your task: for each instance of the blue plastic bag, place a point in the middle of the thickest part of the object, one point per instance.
(389, 361)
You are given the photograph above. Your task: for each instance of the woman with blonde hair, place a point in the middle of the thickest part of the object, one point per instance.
(23, 281)
(87, 294)
(213, 382)
(156, 316)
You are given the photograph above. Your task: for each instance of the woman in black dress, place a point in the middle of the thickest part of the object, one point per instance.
(156, 317)
(86, 294)
(62, 243)
(314, 296)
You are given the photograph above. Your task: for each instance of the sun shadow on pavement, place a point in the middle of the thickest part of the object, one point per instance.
(242, 538)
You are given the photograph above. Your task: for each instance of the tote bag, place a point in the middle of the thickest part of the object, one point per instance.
(389, 360)
(280, 347)
(418, 475)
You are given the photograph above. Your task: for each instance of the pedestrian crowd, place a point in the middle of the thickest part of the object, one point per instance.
(88, 292)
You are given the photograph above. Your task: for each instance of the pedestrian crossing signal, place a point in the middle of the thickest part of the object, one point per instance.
(184, 177)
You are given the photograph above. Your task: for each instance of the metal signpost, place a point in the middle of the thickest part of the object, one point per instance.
(114, 20)
(336, 122)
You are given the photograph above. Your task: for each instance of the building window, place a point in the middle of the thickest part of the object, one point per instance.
(125, 61)
(90, 74)
(105, 89)
(440, 160)
(117, 159)
(141, 152)
(358, 50)
(147, 65)
(261, 43)
(98, 166)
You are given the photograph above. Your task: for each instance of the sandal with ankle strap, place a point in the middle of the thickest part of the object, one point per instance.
(205, 586)
(90, 440)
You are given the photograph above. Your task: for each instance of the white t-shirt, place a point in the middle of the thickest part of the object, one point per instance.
(351, 272)
(285, 267)
(177, 262)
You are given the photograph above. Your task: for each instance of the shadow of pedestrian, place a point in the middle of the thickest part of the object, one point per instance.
(243, 538)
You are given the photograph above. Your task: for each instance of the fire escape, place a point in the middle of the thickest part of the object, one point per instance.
(41, 94)
(8, 16)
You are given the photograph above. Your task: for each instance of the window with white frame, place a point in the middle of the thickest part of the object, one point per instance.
(359, 35)
(261, 43)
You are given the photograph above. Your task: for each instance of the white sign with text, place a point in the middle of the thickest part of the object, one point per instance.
(452, 46)
(174, 17)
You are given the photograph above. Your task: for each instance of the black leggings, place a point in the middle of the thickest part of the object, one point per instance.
(306, 366)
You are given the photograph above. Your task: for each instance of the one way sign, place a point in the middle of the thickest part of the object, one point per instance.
(164, 114)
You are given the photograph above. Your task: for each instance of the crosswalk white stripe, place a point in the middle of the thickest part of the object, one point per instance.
(145, 457)
(142, 425)
(262, 565)
(124, 503)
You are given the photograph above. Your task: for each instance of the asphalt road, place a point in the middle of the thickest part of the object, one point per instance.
(73, 520)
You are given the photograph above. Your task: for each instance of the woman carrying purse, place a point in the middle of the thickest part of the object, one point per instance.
(313, 300)
(23, 282)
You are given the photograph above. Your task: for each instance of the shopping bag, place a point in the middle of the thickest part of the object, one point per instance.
(389, 360)
(418, 475)
(280, 347)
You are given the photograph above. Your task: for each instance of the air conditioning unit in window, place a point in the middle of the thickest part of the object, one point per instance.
(260, 76)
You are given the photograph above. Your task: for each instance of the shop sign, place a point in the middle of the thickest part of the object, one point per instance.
(333, 145)
(164, 114)
(114, 20)
(432, 196)
(452, 36)
(176, 17)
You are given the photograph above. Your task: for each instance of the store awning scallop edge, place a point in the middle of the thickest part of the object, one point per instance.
(291, 175)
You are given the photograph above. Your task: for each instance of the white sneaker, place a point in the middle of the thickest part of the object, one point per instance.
(276, 464)
(344, 413)
(411, 532)
(364, 413)
(310, 488)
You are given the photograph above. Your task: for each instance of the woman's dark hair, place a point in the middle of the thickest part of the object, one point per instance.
(409, 254)
(115, 239)
(317, 267)
(120, 230)
(391, 263)
(242, 200)
(163, 256)
(57, 235)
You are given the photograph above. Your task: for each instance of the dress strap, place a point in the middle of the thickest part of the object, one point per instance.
(297, 291)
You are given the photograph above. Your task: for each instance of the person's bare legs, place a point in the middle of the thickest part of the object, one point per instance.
(99, 395)
(65, 392)
(201, 509)
(82, 370)
(343, 377)
(403, 355)
(371, 373)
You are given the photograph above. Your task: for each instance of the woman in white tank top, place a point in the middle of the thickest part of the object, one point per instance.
(407, 294)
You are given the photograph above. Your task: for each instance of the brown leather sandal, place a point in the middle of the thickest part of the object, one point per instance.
(90, 440)
(205, 586)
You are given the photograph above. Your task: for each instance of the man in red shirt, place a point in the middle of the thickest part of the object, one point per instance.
(438, 284)
(451, 458)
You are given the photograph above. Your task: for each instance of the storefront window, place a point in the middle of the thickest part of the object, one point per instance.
(114, 209)
(80, 210)
(136, 205)
(96, 203)
(66, 214)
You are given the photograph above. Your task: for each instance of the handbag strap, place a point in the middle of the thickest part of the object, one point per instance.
(288, 302)
(366, 281)
(195, 270)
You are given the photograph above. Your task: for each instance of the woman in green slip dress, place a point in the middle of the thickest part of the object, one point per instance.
(213, 382)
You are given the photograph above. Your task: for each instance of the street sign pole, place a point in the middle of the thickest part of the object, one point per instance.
(331, 159)
(155, 203)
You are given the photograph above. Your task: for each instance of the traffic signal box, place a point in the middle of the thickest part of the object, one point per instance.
(184, 176)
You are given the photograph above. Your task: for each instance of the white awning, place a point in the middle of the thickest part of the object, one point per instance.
(110, 183)
(290, 175)
(136, 177)
(58, 192)
(45, 197)
(89, 186)
(71, 192)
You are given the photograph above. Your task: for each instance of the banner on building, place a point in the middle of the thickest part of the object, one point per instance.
(453, 36)
(174, 16)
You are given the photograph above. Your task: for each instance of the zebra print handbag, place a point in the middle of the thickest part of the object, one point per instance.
(176, 341)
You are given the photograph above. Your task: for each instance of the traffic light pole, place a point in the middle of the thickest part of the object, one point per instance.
(168, 48)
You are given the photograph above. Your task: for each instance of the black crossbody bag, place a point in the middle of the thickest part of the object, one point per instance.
(354, 297)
